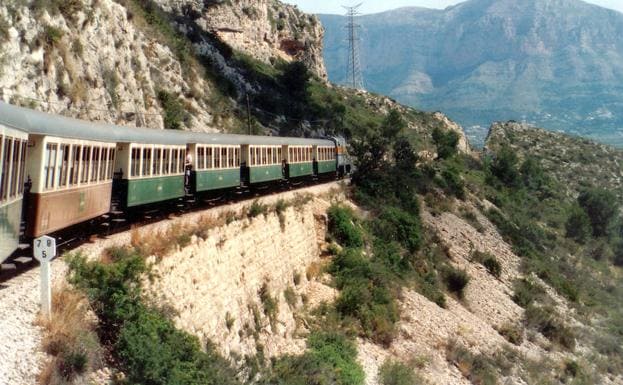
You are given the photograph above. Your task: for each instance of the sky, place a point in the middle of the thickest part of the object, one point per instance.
(373, 6)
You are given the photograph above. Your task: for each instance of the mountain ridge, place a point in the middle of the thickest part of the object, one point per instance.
(555, 64)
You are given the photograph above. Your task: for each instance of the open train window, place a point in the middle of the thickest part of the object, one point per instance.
(101, 175)
(64, 166)
(217, 157)
(146, 162)
(49, 165)
(157, 164)
(84, 164)
(136, 162)
(20, 188)
(111, 162)
(75, 167)
(166, 162)
(17, 150)
(174, 160)
(201, 158)
(6, 157)
(209, 158)
(95, 161)
(224, 157)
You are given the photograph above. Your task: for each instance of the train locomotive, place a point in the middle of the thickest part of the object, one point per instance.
(58, 172)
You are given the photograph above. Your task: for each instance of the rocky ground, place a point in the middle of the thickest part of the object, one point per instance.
(20, 354)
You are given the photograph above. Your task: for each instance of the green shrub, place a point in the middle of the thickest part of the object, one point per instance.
(269, 303)
(52, 35)
(512, 333)
(397, 225)
(479, 369)
(365, 295)
(331, 359)
(456, 280)
(147, 346)
(73, 363)
(397, 373)
(257, 208)
(446, 142)
(488, 261)
(602, 208)
(578, 226)
(342, 226)
(493, 266)
(290, 296)
(174, 113)
(546, 321)
(453, 184)
(504, 166)
(527, 292)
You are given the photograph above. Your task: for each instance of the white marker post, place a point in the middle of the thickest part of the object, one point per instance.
(44, 251)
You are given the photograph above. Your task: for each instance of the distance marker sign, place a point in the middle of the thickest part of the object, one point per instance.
(44, 248)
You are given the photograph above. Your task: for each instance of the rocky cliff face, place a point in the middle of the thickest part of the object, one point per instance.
(265, 29)
(108, 61)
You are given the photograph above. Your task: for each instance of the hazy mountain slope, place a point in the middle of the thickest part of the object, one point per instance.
(556, 63)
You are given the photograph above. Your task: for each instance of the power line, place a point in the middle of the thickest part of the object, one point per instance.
(355, 77)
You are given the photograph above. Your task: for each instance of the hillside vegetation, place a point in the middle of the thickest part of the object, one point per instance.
(574, 162)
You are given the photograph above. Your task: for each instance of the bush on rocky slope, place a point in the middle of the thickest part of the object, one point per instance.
(146, 345)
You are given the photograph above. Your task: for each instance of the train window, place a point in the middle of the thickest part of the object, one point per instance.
(223, 157)
(174, 159)
(210, 158)
(201, 158)
(64, 165)
(111, 163)
(237, 156)
(17, 149)
(136, 162)
(75, 164)
(166, 162)
(49, 164)
(84, 164)
(155, 170)
(6, 157)
(102, 164)
(22, 167)
(180, 162)
(230, 157)
(95, 163)
(217, 157)
(146, 161)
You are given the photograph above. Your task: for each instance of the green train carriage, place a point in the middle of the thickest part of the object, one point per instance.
(13, 148)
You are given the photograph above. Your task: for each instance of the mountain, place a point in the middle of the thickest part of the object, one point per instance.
(552, 63)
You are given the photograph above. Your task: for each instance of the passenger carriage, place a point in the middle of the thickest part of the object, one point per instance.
(13, 148)
(150, 168)
(324, 159)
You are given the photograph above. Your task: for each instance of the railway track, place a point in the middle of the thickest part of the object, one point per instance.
(117, 222)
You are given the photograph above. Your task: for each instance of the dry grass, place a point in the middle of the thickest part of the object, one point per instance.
(69, 338)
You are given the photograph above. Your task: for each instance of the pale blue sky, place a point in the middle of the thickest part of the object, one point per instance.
(372, 6)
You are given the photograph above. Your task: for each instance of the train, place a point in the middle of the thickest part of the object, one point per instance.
(59, 172)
